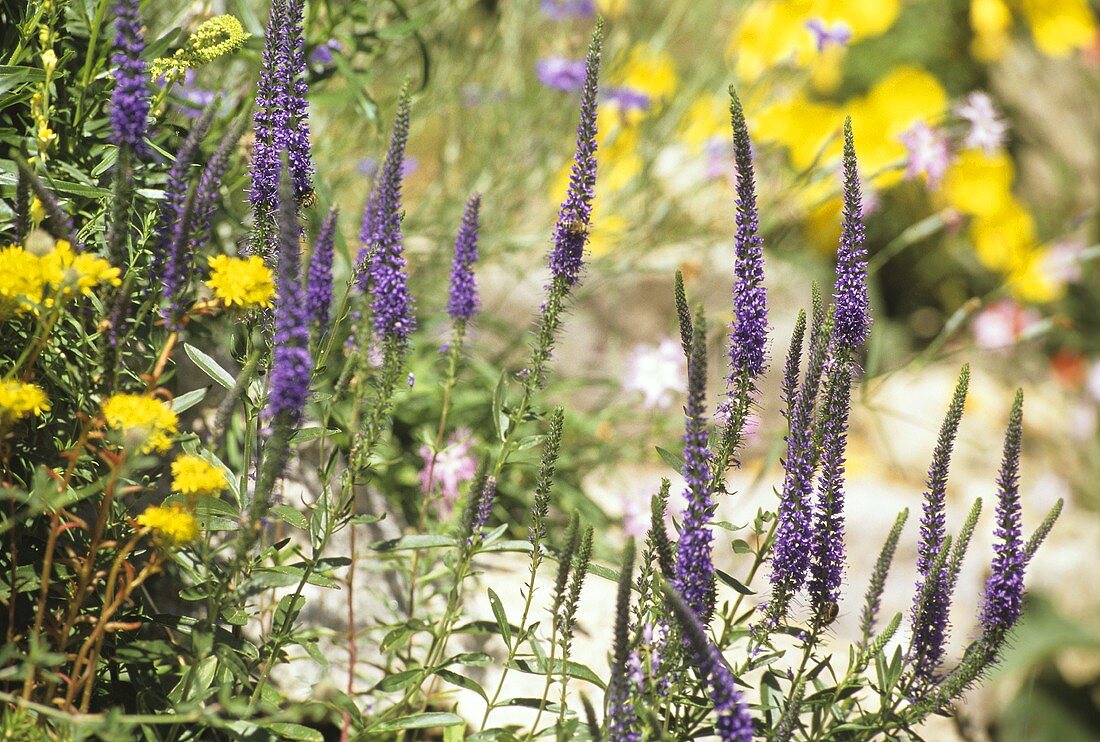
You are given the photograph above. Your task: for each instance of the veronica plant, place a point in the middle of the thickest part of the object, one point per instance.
(165, 551)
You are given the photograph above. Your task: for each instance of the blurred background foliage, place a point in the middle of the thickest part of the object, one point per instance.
(978, 128)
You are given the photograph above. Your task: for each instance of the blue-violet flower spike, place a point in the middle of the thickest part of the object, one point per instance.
(853, 313)
(319, 280)
(463, 302)
(129, 107)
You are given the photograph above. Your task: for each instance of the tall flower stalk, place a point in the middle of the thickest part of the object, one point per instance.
(319, 280)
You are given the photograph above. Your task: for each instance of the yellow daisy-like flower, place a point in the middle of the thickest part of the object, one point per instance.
(244, 282)
(17, 400)
(174, 524)
(146, 418)
(73, 272)
(649, 71)
(20, 280)
(194, 475)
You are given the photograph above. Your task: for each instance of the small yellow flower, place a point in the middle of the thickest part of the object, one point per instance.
(991, 21)
(77, 272)
(245, 282)
(49, 62)
(17, 400)
(1059, 27)
(148, 419)
(174, 524)
(979, 183)
(215, 38)
(193, 475)
(38, 211)
(46, 135)
(650, 71)
(20, 280)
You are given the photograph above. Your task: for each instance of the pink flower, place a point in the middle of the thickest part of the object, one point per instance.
(659, 372)
(452, 466)
(926, 154)
(1002, 324)
(987, 129)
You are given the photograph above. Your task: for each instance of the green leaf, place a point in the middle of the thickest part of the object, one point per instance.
(309, 434)
(572, 669)
(426, 720)
(461, 681)
(399, 680)
(727, 579)
(291, 516)
(186, 401)
(209, 366)
(500, 420)
(676, 461)
(501, 617)
(520, 546)
(297, 732)
(415, 541)
(288, 609)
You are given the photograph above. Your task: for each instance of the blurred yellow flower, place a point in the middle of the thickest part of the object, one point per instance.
(979, 183)
(611, 9)
(147, 418)
(174, 524)
(1059, 27)
(707, 117)
(606, 233)
(17, 400)
(20, 280)
(245, 282)
(194, 475)
(1030, 281)
(991, 22)
(803, 126)
(649, 71)
(1003, 238)
(72, 272)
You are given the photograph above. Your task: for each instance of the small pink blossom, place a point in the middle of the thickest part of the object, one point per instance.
(454, 465)
(659, 372)
(987, 130)
(1002, 324)
(927, 154)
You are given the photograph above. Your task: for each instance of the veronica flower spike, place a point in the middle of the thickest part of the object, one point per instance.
(129, 109)
(319, 280)
(695, 576)
(575, 214)
(462, 303)
(852, 319)
(750, 301)
(386, 278)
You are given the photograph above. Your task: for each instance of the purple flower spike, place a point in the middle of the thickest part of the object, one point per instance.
(750, 298)
(463, 301)
(485, 499)
(930, 616)
(828, 532)
(291, 364)
(386, 276)
(694, 575)
(129, 109)
(559, 73)
(282, 111)
(206, 193)
(1004, 589)
(853, 310)
(319, 280)
(734, 724)
(571, 232)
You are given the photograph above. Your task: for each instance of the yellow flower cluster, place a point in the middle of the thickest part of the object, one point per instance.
(17, 400)
(148, 419)
(244, 282)
(174, 524)
(1002, 230)
(774, 32)
(1058, 27)
(215, 38)
(28, 281)
(194, 475)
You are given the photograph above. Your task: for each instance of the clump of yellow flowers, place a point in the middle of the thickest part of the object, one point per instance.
(142, 420)
(19, 399)
(174, 524)
(32, 277)
(216, 37)
(193, 475)
(246, 283)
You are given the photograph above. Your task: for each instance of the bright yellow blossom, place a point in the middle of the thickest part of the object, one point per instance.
(194, 475)
(1059, 27)
(991, 21)
(72, 272)
(174, 524)
(17, 400)
(1032, 282)
(20, 280)
(244, 282)
(979, 183)
(650, 71)
(1004, 238)
(707, 117)
(148, 418)
(38, 211)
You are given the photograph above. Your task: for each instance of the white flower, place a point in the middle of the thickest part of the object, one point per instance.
(987, 129)
(659, 372)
